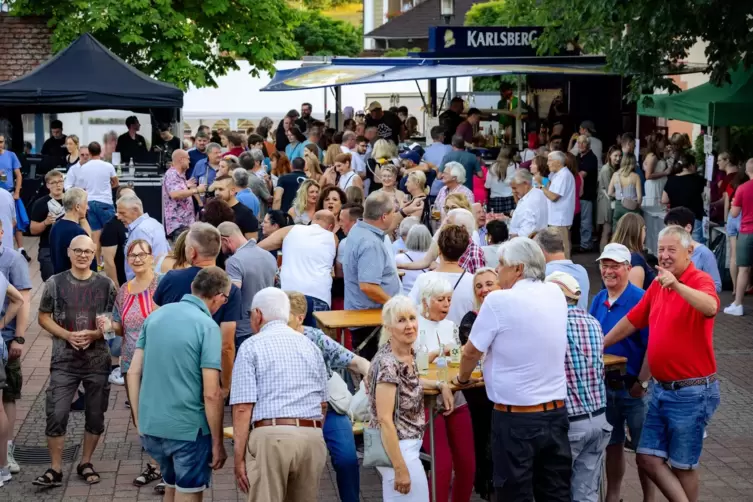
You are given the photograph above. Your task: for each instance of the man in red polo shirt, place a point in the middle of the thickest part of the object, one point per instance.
(679, 309)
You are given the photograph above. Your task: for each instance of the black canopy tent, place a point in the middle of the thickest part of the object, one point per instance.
(86, 76)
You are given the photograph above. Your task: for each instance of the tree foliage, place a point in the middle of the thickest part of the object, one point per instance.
(318, 35)
(644, 38)
(177, 41)
(324, 4)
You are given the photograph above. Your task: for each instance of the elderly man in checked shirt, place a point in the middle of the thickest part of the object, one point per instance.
(586, 395)
(279, 400)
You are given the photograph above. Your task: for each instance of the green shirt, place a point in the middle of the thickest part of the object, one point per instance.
(469, 161)
(179, 339)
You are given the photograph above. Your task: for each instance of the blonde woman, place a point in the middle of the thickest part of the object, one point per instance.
(313, 169)
(394, 374)
(498, 180)
(625, 188)
(603, 201)
(304, 205)
(389, 174)
(332, 152)
(455, 201)
(416, 186)
(383, 153)
(656, 177)
(71, 144)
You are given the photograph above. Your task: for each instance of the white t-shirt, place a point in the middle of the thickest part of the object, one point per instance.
(523, 331)
(410, 275)
(356, 160)
(94, 177)
(462, 295)
(562, 212)
(309, 254)
(500, 187)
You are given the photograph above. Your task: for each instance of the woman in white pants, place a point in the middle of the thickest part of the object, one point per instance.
(395, 374)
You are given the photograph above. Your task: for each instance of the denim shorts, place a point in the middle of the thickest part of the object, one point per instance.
(99, 214)
(623, 409)
(733, 225)
(184, 464)
(676, 421)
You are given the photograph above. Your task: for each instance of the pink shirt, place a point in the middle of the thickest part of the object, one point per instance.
(479, 191)
(744, 200)
(178, 213)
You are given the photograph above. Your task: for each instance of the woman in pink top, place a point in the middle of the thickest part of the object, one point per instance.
(480, 193)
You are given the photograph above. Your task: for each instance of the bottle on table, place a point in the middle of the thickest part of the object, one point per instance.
(422, 356)
(456, 351)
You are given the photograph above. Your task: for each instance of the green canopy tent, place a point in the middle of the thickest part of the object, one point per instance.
(728, 105)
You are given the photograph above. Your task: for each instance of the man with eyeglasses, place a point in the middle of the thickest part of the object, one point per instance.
(70, 310)
(46, 211)
(72, 224)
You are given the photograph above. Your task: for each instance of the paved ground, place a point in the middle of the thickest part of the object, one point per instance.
(727, 462)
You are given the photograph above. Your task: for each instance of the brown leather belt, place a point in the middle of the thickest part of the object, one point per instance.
(536, 408)
(691, 382)
(297, 422)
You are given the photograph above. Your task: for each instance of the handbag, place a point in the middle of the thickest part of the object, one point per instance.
(374, 454)
(339, 395)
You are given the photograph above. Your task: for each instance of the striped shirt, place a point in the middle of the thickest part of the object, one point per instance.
(584, 363)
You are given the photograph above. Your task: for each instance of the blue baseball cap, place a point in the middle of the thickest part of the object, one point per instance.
(412, 156)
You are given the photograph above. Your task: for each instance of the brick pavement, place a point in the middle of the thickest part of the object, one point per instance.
(726, 465)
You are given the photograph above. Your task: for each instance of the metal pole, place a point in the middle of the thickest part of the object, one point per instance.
(518, 118)
(338, 108)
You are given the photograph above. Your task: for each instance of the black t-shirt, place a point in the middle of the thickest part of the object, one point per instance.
(686, 191)
(177, 283)
(449, 120)
(169, 146)
(588, 164)
(245, 219)
(114, 234)
(39, 212)
(289, 184)
(130, 148)
(55, 148)
(61, 235)
(388, 126)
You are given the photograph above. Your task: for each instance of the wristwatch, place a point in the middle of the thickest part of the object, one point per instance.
(644, 385)
(19, 340)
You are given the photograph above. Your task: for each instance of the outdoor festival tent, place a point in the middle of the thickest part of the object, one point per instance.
(728, 105)
(86, 76)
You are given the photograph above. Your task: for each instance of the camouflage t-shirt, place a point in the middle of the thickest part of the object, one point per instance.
(75, 305)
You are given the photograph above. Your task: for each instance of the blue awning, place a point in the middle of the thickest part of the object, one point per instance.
(354, 71)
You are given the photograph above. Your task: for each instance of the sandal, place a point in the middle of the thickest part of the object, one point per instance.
(151, 473)
(159, 488)
(50, 479)
(91, 478)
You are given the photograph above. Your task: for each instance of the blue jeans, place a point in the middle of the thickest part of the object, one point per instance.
(184, 464)
(698, 232)
(676, 421)
(338, 434)
(586, 223)
(116, 346)
(622, 408)
(313, 305)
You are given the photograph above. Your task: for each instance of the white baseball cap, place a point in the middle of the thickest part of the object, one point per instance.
(615, 252)
(567, 284)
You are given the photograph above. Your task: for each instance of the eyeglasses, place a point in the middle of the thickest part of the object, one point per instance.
(138, 256)
(82, 252)
(225, 297)
(58, 182)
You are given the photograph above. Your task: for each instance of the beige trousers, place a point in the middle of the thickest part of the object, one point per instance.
(285, 463)
(565, 234)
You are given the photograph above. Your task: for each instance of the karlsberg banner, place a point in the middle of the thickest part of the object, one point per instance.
(480, 41)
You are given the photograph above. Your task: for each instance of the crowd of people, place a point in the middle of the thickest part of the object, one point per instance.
(259, 232)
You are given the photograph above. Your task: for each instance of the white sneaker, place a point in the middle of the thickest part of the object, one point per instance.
(12, 464)
(5, 475)
(116, 378)
(736, 310)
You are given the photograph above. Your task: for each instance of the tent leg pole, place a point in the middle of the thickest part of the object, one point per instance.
(338, 108)
(433, 96)
(519, 118)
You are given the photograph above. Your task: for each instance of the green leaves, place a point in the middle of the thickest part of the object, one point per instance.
(318, 35)
(643, 38)
(178, 41)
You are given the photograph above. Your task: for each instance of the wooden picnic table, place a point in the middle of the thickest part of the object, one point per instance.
(339, 320)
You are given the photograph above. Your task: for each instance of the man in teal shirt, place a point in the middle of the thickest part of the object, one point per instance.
(469, 161)
(179, 407)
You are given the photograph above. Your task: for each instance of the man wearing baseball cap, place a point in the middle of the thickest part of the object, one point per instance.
(626, 394)
(388, 124)
(586, 397)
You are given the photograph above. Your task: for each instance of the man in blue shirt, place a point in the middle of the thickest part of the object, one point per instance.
(467, 159)
(434, 154)
(244, 194)
(205, 170)
(140, 226)
(198, 152)
(11, 180)
(626, 394)
(180, 406)
(703, 258)
(551, 243)
(203, 244)
(72, 224)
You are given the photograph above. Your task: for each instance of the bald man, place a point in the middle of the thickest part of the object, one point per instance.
(309, 253)
(176, 196)
(69, 309)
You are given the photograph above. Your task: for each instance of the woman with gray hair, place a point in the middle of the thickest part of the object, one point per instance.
(395, 381)
(417, 243)
(402, 233)
(437, 334)
(453, 176)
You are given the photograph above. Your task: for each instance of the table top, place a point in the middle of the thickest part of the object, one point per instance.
(611, 361)
(349, 318)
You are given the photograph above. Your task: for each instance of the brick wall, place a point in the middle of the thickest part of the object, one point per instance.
(24, 45)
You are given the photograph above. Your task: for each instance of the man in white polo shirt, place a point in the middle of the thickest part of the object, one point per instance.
(522, 329)
(561, 195)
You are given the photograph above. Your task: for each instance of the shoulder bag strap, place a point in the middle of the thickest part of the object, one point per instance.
(459, 279)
